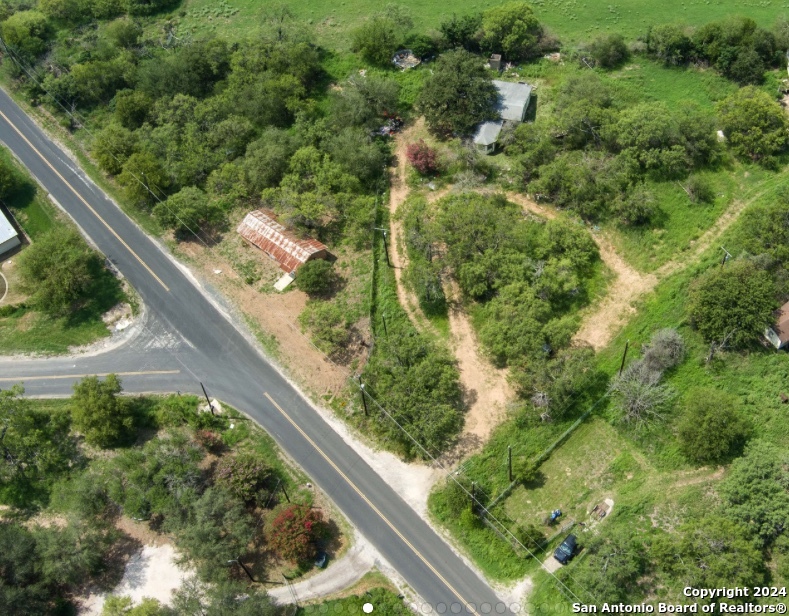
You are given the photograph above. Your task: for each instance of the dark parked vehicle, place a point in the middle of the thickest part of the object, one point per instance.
(321, 559)
(566, 551)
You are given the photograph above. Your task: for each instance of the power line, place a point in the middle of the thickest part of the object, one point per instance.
(82, 123)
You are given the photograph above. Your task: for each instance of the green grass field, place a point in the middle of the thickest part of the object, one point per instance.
(572, 20)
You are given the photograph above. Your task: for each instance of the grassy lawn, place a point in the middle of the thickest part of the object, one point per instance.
(680, 223)
(28, 331)
(571, 20)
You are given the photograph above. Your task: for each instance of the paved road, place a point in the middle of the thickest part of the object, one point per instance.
(187, 340)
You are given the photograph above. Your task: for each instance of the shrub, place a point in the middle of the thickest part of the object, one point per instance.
(609, 51)
(423, 158)
(666, 349)
(243, 475)
(60, 271)
(732, 304)
(712, 430)
(639, 395)
(210, 440)
(699, 190)
(10, 181)
(294, 531)
(754, 124)
(316, 277)
(99, 413)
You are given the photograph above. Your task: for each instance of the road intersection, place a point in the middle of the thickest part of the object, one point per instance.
(186, 339)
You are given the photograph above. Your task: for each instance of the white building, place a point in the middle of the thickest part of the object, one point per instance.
(8, 236)
(513, 102)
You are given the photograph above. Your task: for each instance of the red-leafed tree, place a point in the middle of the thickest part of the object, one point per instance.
(423, 158)
(295, 530)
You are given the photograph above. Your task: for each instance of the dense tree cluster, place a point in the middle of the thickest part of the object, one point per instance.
(213, 511)
(735, 46)
(597, 159)
(197, 126)
(36, 446)
(416, 381)
(458, 95)
(525, 275)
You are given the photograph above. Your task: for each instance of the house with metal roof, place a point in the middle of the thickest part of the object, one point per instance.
(513, 102)
(262, 229)
(778, 334)
(9, 238)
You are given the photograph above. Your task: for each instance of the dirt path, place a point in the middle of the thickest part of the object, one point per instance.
(341, 574)
(398, 193)
(600, 325)
(707, 238)
(606, 318)
(486, 387)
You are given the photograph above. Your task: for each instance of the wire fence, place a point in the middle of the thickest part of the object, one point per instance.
(496, 523)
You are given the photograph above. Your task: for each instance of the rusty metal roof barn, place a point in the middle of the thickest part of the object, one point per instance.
(260, 228)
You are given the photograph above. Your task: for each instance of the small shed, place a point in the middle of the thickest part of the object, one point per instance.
(514, 99)
(9, 238)
(261, 229)
(487, 135)
(495, 61)
(778, 334)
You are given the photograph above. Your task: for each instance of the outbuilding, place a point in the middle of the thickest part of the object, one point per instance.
(514, 98)
(9, 238)
(778, 334)
(262, 229)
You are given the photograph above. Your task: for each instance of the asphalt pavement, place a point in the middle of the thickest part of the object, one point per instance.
(186, 340)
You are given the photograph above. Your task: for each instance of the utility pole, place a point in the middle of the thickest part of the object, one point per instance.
(726, 256)
(509, 461)
(243, 566)
(386, 247)
(207, 399)
(282, 487)
(364, 400)
(624, 356)
(386, 251)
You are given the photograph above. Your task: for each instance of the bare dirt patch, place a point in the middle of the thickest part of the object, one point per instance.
(275, 313)
(150, 572)
(14, 294)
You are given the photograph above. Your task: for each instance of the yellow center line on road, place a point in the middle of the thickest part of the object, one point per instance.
(371, 505)
(80, 376)
(81, 198)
